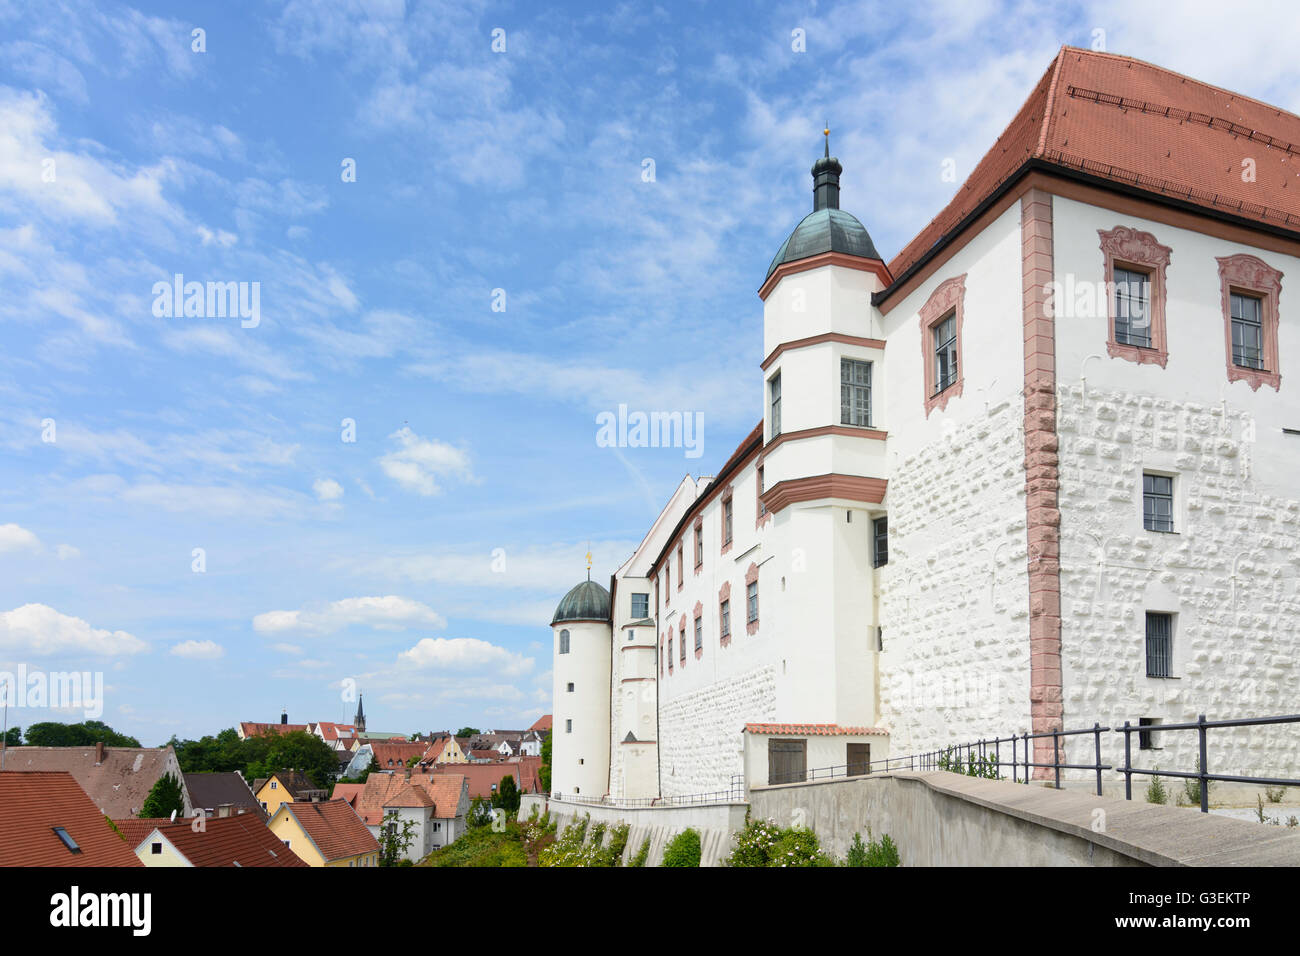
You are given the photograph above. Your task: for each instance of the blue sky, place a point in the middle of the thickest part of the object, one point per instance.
(422, 560)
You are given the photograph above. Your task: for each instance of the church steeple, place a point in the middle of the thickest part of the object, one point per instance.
(360, 720)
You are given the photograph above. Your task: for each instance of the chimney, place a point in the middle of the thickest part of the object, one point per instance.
(99, 752)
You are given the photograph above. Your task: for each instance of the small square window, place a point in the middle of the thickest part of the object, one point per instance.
(155, 849)
(570, 687)
(1157, 502)
(1146, 738)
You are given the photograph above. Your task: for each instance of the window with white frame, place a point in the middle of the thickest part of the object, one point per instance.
(640, 606)
(724, 616)
(1132, 307)
(1247, 330)
(855, 393)
(945, 353)
(699, 633)
(751, 597)
(1157, 502)
(774, 404)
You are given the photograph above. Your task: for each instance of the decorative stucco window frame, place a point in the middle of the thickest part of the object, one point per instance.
(751, 577)
(681, 651)
(1253, 276)
(1134, 249)
(698, 623)
(724, 595)
(726, 499)
(947, 299)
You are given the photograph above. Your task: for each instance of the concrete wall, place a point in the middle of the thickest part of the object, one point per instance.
(715, 824)
(944, 819)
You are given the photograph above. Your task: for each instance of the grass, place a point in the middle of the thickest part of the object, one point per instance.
(483, 846)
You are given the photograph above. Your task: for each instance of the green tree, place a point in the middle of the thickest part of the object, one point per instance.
(14, 737)
(480, 813)
(51, 734)
(544, 771)
(165, 797)
(683, 849)
(507, 795)
(395, 839)
(297, 750)
(468, 732)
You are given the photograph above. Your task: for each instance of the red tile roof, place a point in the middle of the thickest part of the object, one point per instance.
(348, 792)
(542, 723)
(481, 776)
(393, 755)
(815, 730)
(117, 779)
(1142, 126)
(33, 804)
(259, 730)
(224, 841)
(328, 731)
(333, 827)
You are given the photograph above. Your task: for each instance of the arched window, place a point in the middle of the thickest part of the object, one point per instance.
(564, 642)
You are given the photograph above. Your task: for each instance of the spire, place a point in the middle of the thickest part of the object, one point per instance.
(826, 177)
(360, 720)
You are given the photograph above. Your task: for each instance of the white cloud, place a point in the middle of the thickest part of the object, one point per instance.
(327, 489)
(16, 538)
(465, 653)
(389, 613)
(66, 552)
(198, 650)
(40, 629)
(422, 463)
(287, 648)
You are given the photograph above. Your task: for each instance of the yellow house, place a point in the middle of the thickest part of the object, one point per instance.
(328, 833)
(446, 750)
(285, 786)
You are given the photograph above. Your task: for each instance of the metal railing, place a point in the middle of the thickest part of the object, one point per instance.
(989, 753)
(733, 794)
(1203, 775)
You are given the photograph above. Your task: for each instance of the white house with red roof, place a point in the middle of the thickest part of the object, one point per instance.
(1035, 471)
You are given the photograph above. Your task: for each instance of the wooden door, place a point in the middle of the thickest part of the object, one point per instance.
(859, 759)
(786, 760)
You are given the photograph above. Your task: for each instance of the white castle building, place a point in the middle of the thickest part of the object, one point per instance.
(1039, 470)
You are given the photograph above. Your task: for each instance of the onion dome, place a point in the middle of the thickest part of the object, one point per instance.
(586, 602)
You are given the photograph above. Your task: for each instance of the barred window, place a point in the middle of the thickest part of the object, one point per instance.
(945, 353)
(855, 393)
(1160, 629)
(1132, 308)
(1247, 331)
(1157, 502)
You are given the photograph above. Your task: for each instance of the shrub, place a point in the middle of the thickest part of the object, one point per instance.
(883, 853)
(1156, 792)
(642, 854)
(1192, 787)
(683, 849)
(611, 854)
(1274, 794)
(799, 846)
(570, 849)
(753, 844)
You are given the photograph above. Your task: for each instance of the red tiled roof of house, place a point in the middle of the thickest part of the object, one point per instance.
(333, 827)
(32, 804)
(348, 792)
(542, 723)
(242, 839)
(1132, 123)
(446, 790)
(494, 755)
(410, 795)
(250, 729)
(815, 730)
(328, 731)
(481, 776)
(392, 755)
(117, 779)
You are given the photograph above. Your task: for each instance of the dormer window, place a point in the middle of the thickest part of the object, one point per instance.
(66, 838)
